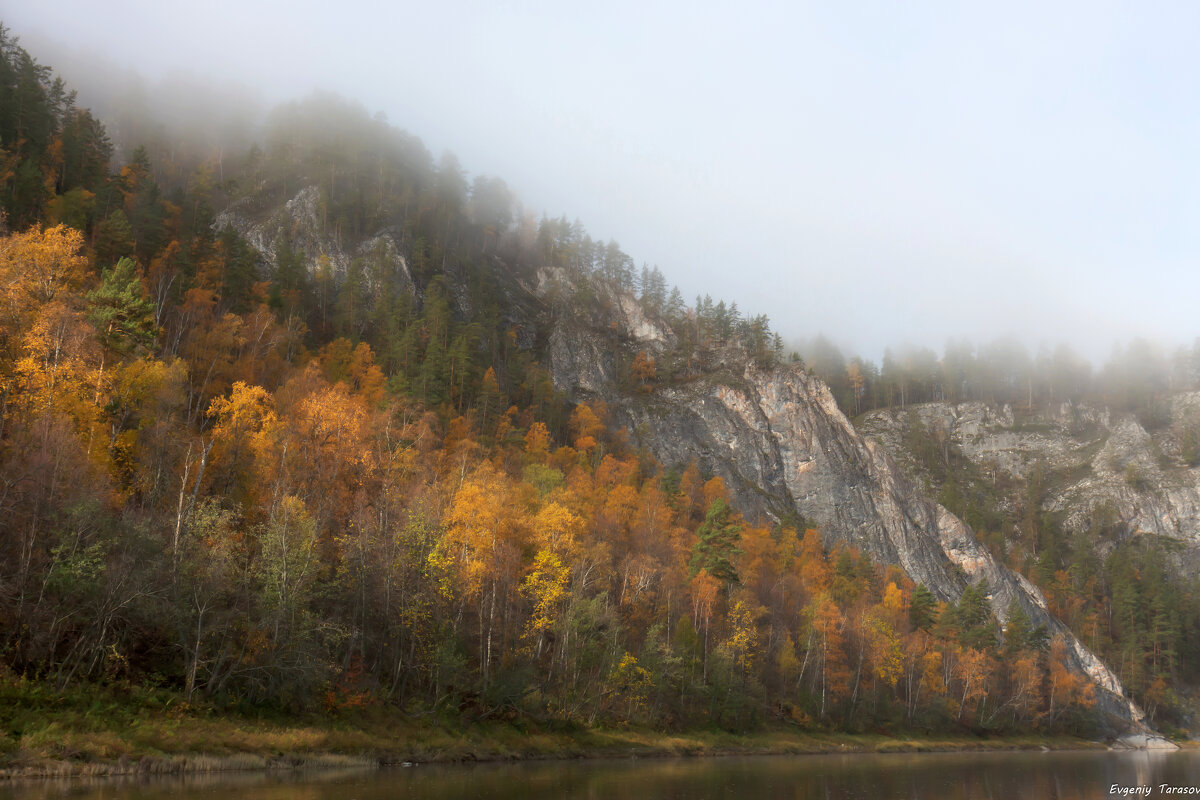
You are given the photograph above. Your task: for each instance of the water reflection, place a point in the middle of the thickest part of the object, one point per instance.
(951, 776)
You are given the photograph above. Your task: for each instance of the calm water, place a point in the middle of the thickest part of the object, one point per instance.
(950, 776)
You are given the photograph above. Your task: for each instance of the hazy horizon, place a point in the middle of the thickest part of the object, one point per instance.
(875, 174)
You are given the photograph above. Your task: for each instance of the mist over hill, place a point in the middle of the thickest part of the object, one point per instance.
(299, 415)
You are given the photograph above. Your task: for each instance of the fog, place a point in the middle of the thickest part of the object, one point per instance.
(881, 173)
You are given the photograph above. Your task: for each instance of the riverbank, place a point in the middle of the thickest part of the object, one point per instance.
(138, 731)
(213, 745)
(93, 755)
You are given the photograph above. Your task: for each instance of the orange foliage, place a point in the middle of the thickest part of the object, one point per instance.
(714, 489)
(814, 568)
(703, 592)
(537, 441)
(1067, 688)
(35, 266)
(643, 369)
(587, 424)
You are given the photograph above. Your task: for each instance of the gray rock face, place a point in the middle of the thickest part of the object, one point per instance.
(591, 331)
(299, 222)
(781, 444)
(1110, 465)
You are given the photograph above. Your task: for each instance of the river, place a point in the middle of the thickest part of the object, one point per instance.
(933, 776)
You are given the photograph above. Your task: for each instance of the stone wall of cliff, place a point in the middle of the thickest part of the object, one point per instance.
(782, 445)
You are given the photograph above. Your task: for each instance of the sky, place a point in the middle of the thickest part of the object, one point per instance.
(882, 173)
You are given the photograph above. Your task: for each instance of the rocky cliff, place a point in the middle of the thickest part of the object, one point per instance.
(299, 222)
(775, 435)
(778, 439)
(298, 226)
(1106, 469)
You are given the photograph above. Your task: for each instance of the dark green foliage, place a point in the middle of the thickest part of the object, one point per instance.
(973, 617)
(922, 610)
(1020, 633)
(144, 206)
(123, 318)
(291, 290)
(114, 238)
(86, 153)
(717, 543)
(32, 109)
(239, 273)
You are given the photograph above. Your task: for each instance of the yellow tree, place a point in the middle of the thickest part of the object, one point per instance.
(971, 670)
(883, 642)
(484, 537)
(149, 397)
(546, 586)
(343, 361)
(537, 442)
(714, 489)
(53, 454)
(893, 606)
(922, 671)
(1024, 680)
(587, 425)
(857, 383)
(556, 528)
(743, 632)
(288, 567)
(691, 496)
(814, 565)
(210, 347)
(245, 426)
(38, 265)
(828, 626)
(325, 449)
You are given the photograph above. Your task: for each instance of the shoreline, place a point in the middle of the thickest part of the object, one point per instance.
(496, 743)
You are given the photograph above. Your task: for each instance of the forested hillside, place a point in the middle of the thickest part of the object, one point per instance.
(332, 479)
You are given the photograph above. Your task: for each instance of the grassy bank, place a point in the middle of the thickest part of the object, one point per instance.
(133, 730)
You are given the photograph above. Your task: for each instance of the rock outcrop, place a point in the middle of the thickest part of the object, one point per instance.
(782, 445)
(299, 223)
(1106, 466)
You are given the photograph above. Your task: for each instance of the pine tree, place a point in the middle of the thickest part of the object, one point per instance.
(974, 617)
(122, 316)
(922, 610)
(717, 543)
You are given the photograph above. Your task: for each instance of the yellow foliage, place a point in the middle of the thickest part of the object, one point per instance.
(887, 656)
(587, 426)
(54, 373)
(814, 567)
(546, 586)
(972, 670)
(786, 661)
(632, 681)
(893, 600)
(931, 673)
(743, 632)
(35, 266)
(481, 523)
(644, 368)
(537, 441)
(557, 528)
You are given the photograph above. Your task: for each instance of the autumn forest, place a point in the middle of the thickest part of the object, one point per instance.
(340, 489)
